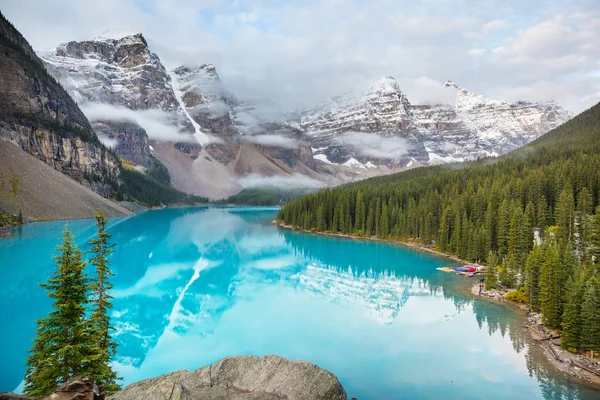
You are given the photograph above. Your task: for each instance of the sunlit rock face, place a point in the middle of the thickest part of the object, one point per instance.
(239, 378)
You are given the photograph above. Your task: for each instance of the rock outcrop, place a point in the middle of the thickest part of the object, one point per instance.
(13, 396)
(243, 377)
(127, 139)
(78, 388)
(38, 115)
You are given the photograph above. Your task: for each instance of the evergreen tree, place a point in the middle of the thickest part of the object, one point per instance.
(571, 319)
(595, 238)
(550, 287)
(503, 228)
(101, 303)
(370, 222)
(583, 221)
(590, 316)
(532, 280)
(491, 272)
(360, 213)
(507, 274)
(64, 339)
(514, 236)
(564, 213)
(542, 215)
(384, 230)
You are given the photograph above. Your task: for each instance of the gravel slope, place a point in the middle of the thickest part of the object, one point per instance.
(41, 192)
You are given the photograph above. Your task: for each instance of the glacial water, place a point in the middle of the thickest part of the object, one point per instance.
(198, 284)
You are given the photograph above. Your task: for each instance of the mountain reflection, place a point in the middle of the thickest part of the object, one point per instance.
(194, 285)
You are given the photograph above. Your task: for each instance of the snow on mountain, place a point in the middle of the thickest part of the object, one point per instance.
(113, 71)
(349, 137)
(382, 108)
(474, 127)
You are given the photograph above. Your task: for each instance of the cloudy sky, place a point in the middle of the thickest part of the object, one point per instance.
(300, 52)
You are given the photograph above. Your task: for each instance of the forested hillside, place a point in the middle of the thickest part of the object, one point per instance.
(491, 211)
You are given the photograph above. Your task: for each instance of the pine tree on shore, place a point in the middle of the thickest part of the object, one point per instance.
(491, 272)
(590, 316)
(507, 274)
(571, 319)
(550, 287)
(101, 303)
(532, 279)
(64, 339)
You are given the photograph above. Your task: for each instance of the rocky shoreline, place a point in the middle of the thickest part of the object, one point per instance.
(579, 367)
(232, 378)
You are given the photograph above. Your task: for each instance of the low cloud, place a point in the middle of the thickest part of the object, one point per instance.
(159, 125)
(273, 141)
(376, 146)
(296, 181)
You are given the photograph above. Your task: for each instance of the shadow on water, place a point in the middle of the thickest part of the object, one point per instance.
(194, 285)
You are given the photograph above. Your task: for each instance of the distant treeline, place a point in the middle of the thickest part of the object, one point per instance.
(488, 211)
(145, 189)
(265, 196)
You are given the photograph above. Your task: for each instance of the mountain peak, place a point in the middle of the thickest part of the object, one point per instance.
(386, 84)
(206, 71)
(119, 35)
(455, 85)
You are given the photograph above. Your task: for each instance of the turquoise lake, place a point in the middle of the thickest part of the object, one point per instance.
(194, 285)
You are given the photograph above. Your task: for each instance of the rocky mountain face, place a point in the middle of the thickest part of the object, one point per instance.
(215, 131)
(129, 141)
(474, 127)
(38, 115)
(114, 71)
(223, 140)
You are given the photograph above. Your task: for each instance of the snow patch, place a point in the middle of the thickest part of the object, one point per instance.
(322, 157)
(202, 137)
(354, 163)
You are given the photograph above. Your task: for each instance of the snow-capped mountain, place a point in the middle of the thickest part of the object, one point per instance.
(114, 71)
(474, 127)
(213, 143)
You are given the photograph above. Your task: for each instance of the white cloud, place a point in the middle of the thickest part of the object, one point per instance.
(273, 141)
(494, 25)
(266, 49)
(157, 124)
(476, 52)
(296, 181)
(376, 146)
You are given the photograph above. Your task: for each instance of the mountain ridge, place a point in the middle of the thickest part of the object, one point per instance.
(346, 138)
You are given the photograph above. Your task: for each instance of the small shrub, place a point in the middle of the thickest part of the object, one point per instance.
(518, 296)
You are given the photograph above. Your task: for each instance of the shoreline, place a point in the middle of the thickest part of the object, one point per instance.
(567, 363)
(412, 245)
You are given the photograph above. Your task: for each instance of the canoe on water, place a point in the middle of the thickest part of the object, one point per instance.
(445, 269)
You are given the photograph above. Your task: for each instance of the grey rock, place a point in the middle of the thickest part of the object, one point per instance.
(129, 141)
(38, 115)
(242, 377)
(13, 396)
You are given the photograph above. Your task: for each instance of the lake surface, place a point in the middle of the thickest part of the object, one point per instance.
(197, 284)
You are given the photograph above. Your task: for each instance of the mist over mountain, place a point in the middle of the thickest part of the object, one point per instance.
(200, 129)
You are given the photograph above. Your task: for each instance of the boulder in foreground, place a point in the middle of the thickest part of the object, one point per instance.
(241, 378)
